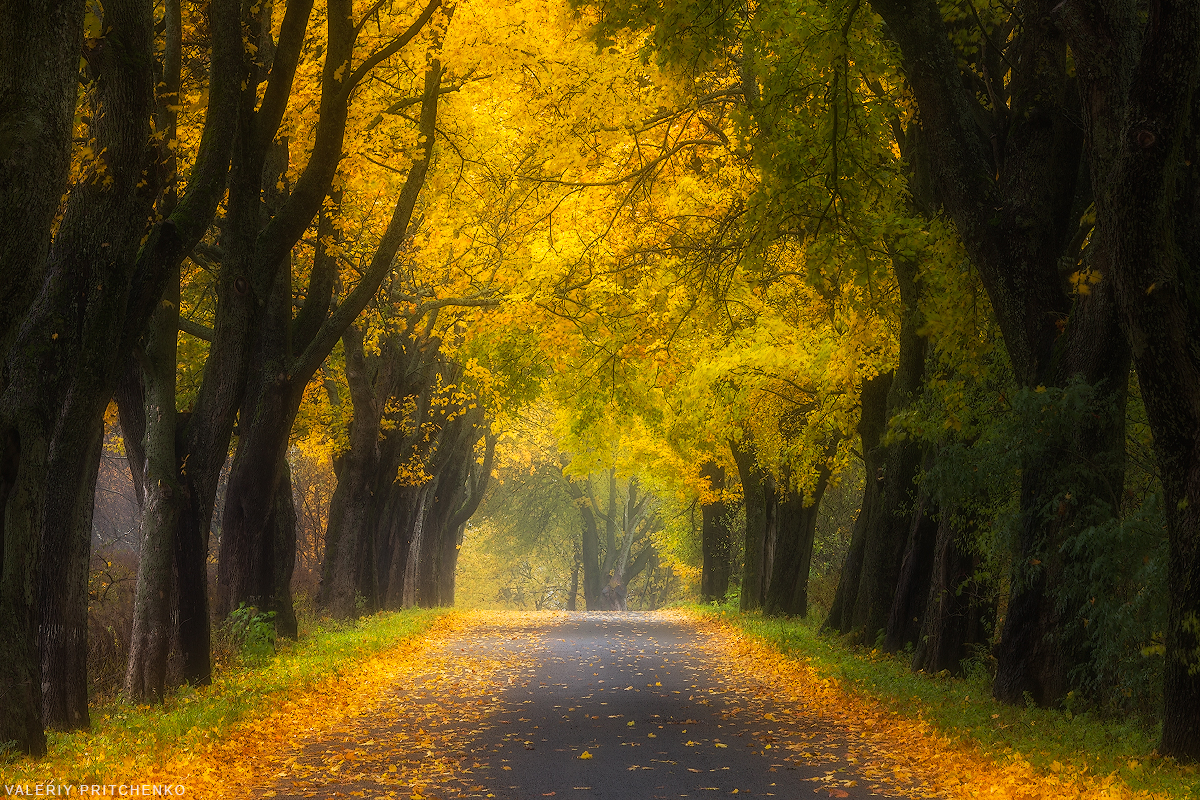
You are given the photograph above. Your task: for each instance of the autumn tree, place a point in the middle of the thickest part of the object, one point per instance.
(260, 357)
(125, 227)
(1137, 87)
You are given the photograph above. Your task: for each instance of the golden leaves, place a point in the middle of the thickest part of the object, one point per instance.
(896, 752)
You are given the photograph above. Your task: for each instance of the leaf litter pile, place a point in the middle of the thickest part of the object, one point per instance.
(450, 716)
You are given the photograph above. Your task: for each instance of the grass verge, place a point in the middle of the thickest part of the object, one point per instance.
(1053, 742)
(128, 742)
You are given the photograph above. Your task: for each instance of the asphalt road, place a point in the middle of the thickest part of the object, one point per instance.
(584, 706)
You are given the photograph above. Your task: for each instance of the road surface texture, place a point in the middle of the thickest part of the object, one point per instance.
(587, 706)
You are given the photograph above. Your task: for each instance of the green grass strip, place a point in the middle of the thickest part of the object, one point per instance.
(126, 737)
(963, 709)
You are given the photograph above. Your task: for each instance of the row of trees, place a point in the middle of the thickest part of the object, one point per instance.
(232, 220)
(899, 155)
(923, 240)
(204, 173)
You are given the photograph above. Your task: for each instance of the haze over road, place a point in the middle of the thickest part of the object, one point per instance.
(588, 706)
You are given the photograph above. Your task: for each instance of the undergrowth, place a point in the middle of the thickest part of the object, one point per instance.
(1052, 741)
(191, 718)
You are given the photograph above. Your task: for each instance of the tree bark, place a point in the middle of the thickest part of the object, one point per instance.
(149, 643)
(1009, 178)
(477, 478)
(787, 592)
(1073, 484)
(349, 510)
(961, 609)
(871, 426)
(1141, 111)
(40, 45)
(758, 496)
(715, 539)
(885, 539)
(573, 591)
(590, 546)
(916, 568)
(85, 304)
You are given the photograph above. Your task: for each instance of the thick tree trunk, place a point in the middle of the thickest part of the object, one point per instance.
(371, 515)
(871, 426)
(40, 45)
(349, 511)
(277, 382)
(167, 245)
(191, 579)
(593, 576)
(149, 644)
(247, 562)
(913, 582)
(23, 471)
(715, 539)
(453, 495)
(64, 584)
(1063, 490)
(758, 496)
(885, 539)
(281, 527)
(408, 503)
(1142, 108)
(90, 280)
(960, 610)
(414, 568)
(787, 592)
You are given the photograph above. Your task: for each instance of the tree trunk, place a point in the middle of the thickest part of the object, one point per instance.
(1075, 484)
(281, 527)
(715, 539)
(191, 577)
(414, 569)
(409, 505)
(64, 585)
(573, 592)
(916, 567)
(246, 564)
(90, 280)
(370, 512)
(349, 510)
(885, 539)
(188, 222)
(960, 610)
(593, 577)
(871, 426)
(453, 495)
(40, 44)
(758, 496)
(477, 477)
(1141, 113)
(149, 644)
(787, 592)
(24, 468)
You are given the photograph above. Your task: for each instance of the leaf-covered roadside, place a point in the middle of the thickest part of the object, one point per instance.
(947, 737)
(209, 738)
